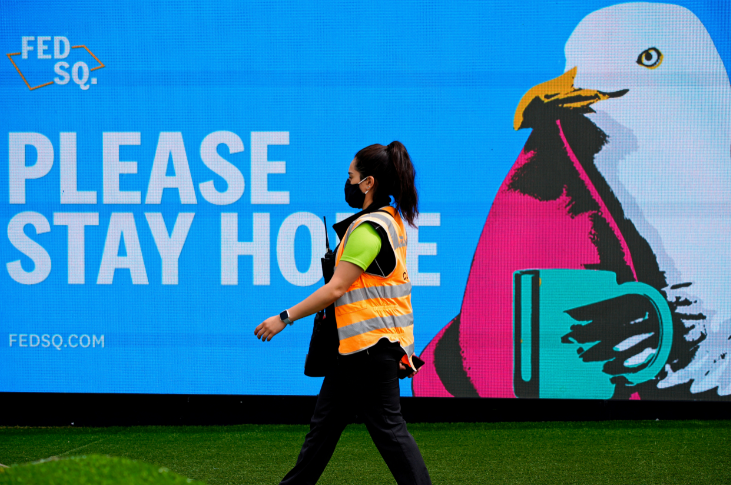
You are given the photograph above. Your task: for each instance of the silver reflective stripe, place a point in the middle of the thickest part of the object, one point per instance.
(359, 328)
(367, 293)
(388, 222)
(409, 349)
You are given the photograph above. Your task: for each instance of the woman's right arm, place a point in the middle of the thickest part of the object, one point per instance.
(345, 275)
(361, 249)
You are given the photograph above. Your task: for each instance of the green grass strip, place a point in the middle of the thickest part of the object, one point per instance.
(93, 469)
(646, 452)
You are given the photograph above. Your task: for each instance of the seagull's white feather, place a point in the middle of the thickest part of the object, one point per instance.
(668, 159)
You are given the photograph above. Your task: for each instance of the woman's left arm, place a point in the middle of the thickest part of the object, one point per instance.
(345, 275)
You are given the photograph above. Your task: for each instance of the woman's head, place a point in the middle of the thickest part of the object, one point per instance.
(393, 174)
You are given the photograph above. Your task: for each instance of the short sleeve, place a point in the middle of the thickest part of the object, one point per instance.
(362, 247)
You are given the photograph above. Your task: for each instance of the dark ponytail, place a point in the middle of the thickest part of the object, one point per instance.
(392, 167)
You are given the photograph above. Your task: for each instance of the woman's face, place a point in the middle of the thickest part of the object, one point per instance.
(355, 178)
(353, 174)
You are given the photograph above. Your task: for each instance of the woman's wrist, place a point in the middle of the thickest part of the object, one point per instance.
(286, 317)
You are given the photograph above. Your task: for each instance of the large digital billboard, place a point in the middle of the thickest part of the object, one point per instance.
(167, 167)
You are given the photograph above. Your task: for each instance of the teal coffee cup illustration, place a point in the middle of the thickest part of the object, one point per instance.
(565, 324)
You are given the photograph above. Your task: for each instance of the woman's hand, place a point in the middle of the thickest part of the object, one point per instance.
(402, 366)
(269, 328)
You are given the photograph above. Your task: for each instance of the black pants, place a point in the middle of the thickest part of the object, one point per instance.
(364, 383)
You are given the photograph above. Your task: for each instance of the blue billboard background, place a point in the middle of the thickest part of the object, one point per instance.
(294, 89)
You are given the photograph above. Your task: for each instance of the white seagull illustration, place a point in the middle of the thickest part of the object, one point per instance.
(668, 161)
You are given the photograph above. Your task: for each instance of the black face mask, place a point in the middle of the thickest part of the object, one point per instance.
(353, 196)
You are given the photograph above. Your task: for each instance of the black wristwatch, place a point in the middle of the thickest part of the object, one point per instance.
(284, 316)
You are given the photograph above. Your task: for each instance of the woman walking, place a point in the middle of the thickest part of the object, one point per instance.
(372, 296)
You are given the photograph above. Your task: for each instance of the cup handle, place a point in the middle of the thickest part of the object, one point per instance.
(660, 305)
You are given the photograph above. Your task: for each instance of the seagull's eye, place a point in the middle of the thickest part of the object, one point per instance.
(650, 58)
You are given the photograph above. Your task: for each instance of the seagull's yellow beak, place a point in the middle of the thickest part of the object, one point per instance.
(556, 95)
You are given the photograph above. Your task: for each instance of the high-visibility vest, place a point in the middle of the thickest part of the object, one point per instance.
(376, 307)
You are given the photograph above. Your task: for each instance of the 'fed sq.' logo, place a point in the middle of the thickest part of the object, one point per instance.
(36, 71)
